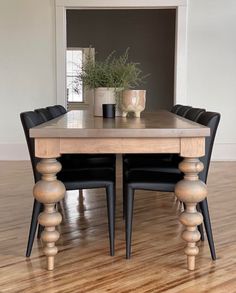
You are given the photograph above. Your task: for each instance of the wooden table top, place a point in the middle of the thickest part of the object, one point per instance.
(80, 123)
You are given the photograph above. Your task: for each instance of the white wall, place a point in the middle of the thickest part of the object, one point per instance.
(212, 66)
(27, 66)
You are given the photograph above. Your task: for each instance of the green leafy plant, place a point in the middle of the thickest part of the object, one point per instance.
(116, 72)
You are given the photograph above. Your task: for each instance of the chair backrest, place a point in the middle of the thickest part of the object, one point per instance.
(183, 110)
(175, 108)
(62, 109)
(54, 111)
(44, 113)
(194, 113)
(29, 120)
(211, 120)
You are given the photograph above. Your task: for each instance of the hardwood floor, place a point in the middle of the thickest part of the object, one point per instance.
(84, 264)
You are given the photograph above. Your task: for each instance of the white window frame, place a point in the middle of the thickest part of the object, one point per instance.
(87, 94)
(180, 78)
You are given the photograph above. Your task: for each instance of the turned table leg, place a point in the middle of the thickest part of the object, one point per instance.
(49, 191)
(191, 190)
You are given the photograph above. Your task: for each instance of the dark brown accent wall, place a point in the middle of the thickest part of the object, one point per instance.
(150, 35)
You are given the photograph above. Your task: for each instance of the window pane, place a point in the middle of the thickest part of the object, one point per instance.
(69, 62)
(73, 69)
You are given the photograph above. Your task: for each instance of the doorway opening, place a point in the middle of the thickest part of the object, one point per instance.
(148, 33)
(177, 7)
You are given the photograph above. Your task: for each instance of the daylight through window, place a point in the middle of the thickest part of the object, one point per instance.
(74, 61)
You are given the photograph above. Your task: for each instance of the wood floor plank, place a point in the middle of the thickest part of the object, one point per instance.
(84, 265)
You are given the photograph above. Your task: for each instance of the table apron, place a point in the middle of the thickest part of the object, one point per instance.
(54, 147)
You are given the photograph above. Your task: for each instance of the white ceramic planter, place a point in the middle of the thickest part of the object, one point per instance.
(119, 93)
(133, 101)
(103, 95)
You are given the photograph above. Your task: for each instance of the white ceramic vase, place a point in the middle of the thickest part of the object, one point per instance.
(103, 95)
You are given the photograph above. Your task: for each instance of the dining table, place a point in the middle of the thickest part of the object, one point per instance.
(80, 132)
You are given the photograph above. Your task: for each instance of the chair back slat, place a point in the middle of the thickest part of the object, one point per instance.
(183, 110)
(54, 111)
(194, 113)
(175, 108)
(44, 113)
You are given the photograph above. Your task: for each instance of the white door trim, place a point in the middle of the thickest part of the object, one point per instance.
(181, 37)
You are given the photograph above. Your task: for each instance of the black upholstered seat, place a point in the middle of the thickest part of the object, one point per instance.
(86, 178)
(151, 162)
(153, 180)
(81, 176)
(159, 180)
(85, 161)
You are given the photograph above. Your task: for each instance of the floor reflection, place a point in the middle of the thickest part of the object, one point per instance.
(81, 210)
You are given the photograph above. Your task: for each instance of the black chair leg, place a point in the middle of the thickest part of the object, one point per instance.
(207, 223)
(124, 191)
(33, 226)
(124, 201)
(111, 198)
(128, 219)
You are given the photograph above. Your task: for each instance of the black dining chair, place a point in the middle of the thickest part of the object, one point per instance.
(84, 161)
(167, 163)
(159, 180)
(159, 162)
(74, 177)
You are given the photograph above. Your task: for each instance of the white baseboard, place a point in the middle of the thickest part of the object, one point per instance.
(19, 152)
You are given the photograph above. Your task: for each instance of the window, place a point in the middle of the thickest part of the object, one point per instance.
(83, 98)
(74, 61)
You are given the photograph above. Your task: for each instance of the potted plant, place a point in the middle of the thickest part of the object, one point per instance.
(108, 78)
